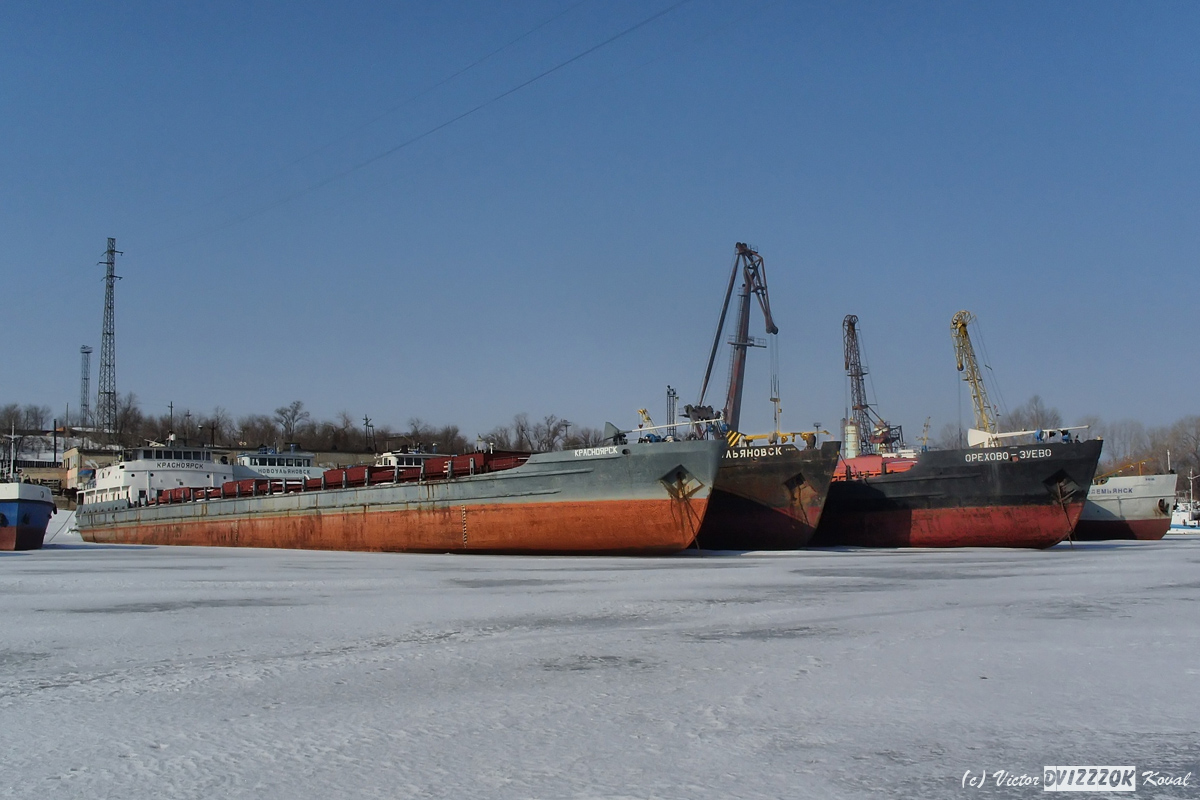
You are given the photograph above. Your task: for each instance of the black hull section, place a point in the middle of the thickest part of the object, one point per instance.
(772, 501)
(1020, 496)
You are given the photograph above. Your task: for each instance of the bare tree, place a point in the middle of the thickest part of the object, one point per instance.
(35, 417)
(548, 434)
(499, 437)
(289, 417)
(419, 436)
(1125, 441)
(129, 420)
(257, 430)
(582, 436)
(522, 432)
(10, 420)
(216, 426)
(1184, 436)
(28, 421)
(1032, 415)
(10, 416)
(449, 439)
(950, 437)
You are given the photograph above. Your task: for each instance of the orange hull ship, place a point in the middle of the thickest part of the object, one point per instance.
(625, 499)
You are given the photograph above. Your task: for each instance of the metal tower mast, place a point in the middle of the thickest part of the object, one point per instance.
(859, 415)
(106, 395)
(672, 411)
(85, 384)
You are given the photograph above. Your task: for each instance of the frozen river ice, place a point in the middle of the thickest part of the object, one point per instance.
(141, 672)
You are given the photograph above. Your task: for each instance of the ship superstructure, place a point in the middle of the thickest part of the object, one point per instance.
(143, 472)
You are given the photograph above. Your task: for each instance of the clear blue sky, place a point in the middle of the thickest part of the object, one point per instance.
(564, 249)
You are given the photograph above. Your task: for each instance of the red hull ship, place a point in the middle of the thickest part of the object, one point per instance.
(1018, 496)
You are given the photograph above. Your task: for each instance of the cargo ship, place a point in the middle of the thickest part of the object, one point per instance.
(25, 511)
(614, 499)
(1010, 496)
(1128, 507)
(768, 497)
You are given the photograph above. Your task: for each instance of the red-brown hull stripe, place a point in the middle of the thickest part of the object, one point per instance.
(1092, 530)
(21, 537)
(997, 526)
(645, 527)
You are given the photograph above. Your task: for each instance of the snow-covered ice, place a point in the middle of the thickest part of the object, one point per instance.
(131, 672)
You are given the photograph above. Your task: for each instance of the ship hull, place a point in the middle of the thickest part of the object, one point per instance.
(22, 537)
(768, 498)
(633, 499)
(25, 511)
(1128, 507)
(978, 497)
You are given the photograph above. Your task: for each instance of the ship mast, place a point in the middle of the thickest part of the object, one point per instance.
(964, 352)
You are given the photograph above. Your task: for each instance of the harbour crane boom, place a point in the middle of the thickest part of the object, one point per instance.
(964, 352)
(754, 282)
(858, 386)
(871, 430)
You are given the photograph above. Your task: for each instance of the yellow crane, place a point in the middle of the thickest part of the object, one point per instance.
(985, 416)
(778, 437)
(1120, 469)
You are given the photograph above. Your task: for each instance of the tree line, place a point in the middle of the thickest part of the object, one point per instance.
(1129, 445)
(294, 424)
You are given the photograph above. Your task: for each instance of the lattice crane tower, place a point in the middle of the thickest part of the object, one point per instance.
(859, 408)
(964, 352)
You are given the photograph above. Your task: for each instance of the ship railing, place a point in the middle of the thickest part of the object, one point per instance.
(446, 468)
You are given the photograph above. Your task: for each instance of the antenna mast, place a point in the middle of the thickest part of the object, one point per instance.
(106, 396)
(85, 384)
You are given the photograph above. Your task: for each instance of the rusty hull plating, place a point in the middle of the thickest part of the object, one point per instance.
(1013, 496)
(628, 499)
(768, 498)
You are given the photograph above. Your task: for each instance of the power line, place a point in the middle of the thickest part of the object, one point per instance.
(382, 115)
(413, 140)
